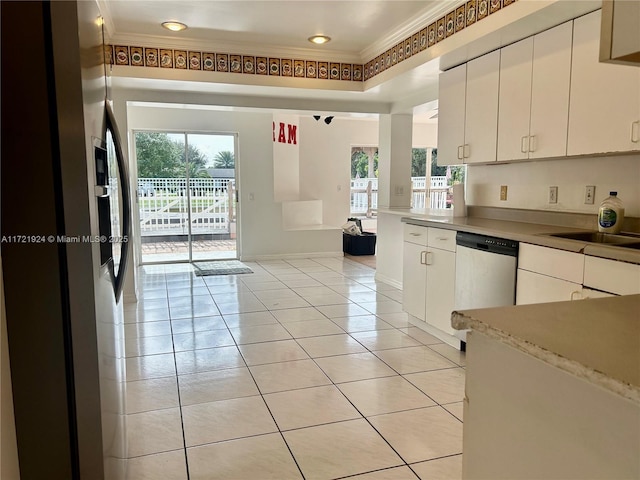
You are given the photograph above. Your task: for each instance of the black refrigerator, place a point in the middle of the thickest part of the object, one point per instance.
(64, 228)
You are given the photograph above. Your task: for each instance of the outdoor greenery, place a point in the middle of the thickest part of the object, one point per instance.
(419, 162)
(161, 157)
(224, 159)
(360, 164)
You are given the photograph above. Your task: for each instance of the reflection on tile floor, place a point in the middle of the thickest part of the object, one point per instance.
(305, 369)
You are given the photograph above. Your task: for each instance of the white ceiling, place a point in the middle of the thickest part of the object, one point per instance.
(353, 25)
(360, 29)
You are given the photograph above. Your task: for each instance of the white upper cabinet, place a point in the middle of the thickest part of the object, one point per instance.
(481, 112)
(451, 111)
(516, 64)
(468, 111)
(604, 109)
(550, 92)
(534, 96)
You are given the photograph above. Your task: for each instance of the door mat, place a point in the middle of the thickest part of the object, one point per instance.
(220, 267)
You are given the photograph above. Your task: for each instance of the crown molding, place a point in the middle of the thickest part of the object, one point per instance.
(427, 17)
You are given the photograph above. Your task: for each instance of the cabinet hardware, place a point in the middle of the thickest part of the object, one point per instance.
(635, 130)
(460, 152)
(423, 258)
(576, 295)
(428, 259)
(532, 143)
(523, 144)
(413, 234)
(466, 150)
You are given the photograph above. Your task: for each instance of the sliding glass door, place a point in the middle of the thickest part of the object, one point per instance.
(186, 196)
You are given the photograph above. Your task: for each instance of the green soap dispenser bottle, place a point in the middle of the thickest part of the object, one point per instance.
(611, 214)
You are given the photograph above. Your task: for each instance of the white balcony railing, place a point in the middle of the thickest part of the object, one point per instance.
(167, 205)
(364, 194)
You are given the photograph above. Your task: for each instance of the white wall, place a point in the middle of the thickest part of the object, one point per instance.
(528, 183)
(425, 135)
(325, 162)
(286, 158)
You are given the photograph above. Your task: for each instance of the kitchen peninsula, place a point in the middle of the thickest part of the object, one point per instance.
(556, 388)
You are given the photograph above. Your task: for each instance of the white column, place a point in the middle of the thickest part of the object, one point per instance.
(394, 162)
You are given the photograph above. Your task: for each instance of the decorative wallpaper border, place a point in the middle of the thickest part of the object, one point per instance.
(453, 22)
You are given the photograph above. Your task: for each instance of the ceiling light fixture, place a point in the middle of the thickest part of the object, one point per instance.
(319, 39)
(174, 26)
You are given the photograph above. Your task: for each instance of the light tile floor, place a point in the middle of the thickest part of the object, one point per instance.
(304, 369)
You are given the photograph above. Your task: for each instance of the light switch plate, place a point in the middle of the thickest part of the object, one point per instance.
(503, 192)
(589, 194)
(553, 194)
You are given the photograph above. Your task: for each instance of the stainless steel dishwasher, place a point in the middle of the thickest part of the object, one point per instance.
(486, 270)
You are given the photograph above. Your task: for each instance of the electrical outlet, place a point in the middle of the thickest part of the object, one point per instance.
(503, 192)
(553, 194)
(399, 190)
(589, 194)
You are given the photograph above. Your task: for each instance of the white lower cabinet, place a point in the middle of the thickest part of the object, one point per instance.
(548, 275)
(552, 275)
(441, 272)
(538, 288)
(619, 278)
(428, 280)
(414, 279)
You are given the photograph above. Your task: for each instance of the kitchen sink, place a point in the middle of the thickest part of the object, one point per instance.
(598, 237)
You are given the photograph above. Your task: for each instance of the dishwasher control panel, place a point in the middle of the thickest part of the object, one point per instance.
(484, 242)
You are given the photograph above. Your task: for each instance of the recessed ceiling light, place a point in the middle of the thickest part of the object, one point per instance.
(174, 26)
(319, 39)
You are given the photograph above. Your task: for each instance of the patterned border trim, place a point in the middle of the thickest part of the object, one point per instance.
(453, 22)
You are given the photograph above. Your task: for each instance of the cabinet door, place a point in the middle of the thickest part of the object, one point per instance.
(604, 110)
(537, 288)
(481, 109)
(441, 270)
(612, 276)
(451, 112)
(516, 64)
(550, 92)
(552, 262)
(414, 280)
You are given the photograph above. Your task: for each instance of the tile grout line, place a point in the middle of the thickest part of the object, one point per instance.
(275, 277)
(175, 364)
(267, 407)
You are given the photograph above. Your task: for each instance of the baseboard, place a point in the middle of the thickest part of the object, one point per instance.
(288, 256)
(388, 281)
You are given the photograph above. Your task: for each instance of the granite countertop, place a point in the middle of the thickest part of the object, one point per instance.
(527, 232)
(595, 339)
